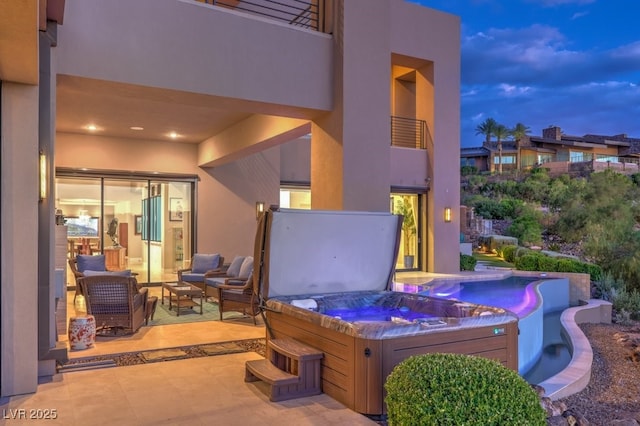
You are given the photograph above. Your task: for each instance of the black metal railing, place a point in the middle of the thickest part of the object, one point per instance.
(306, 14)
(408, 132)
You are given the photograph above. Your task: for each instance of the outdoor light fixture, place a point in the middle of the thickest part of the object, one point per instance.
(43, 176)
(259, 209)
(447, 214)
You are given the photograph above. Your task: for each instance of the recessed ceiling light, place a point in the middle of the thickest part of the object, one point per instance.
(136, 128)
(91, 127)
(173, 135)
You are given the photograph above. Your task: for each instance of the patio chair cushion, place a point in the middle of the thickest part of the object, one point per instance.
(91, 263)
(204, 262)
(192, 277)
(214, 282)
(247, 267)
(234, 268)
(124, 273)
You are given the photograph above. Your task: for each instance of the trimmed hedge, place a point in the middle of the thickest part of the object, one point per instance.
(509, 253)
(455, 389)
(467, 262)
(530, 260)
(527, 262)
(547, 263)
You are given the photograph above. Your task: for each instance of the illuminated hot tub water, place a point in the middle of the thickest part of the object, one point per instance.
(534, 301)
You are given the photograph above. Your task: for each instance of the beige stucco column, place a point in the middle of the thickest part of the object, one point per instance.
(350, 146)
(19, 249)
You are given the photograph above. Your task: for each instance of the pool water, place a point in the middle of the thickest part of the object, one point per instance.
(542, 351)
(511, 293)
(555, 354)
(378, 313)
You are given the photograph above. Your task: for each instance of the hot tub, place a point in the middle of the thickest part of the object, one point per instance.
(324, 280)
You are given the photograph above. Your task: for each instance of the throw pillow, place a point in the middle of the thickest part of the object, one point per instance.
(247, 267)
(90, 273)
(88, 262)
(204, 262)
(234, 269)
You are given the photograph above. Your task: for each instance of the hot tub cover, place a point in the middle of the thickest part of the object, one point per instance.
(316, 252)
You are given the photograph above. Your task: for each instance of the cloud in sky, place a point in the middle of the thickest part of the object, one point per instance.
(548, 62)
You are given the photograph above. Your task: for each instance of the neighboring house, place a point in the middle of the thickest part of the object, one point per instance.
(558, 152)
(152, 104)
(488, 156)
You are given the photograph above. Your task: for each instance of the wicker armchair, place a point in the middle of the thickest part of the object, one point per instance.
(116, 302)
(85, 265)
(73, 265)
(238, 296)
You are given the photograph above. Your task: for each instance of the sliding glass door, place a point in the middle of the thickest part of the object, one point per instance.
(143, 225)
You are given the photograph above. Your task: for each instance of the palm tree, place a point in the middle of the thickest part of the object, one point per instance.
(500, 131)
(519, 132)
(486, 128)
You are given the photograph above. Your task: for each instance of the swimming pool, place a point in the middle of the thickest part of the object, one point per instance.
(531, 298)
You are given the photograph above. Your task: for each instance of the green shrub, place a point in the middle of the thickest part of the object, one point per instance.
(468, 170)
(595, 271)
(548, 264)
(526, 229)
(627, 301)
(455, 389)
(528, 262)
(521, 251)
(467, 263)
(509, 253)
(569, 265)
(605, 287)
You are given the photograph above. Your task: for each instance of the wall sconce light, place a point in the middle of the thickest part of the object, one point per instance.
(259, 208)
(43, 175)
(447, 214)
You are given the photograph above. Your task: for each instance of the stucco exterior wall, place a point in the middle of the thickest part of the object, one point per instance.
(189, 46)
(411, 25)
(226, 194)
(19, 217)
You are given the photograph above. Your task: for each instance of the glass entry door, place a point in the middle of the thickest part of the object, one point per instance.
(407, 205)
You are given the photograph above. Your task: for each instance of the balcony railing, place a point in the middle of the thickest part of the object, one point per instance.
(409, 132)
(306, 14)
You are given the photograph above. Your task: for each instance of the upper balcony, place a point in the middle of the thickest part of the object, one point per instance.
(309, 14)
(409, 132)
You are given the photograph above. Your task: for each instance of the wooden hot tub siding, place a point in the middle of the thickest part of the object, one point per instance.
(357, 381)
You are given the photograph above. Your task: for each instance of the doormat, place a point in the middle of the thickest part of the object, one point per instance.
(222, 348)
(166, 354)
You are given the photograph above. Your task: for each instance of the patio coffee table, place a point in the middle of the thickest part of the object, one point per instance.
(182, 293)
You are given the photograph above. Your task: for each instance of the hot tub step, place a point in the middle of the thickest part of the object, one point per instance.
(292, 369)
(263, 369)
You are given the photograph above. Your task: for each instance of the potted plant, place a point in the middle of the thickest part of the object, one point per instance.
(403, 207)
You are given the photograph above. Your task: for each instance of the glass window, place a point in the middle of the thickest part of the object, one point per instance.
(506, 159)
(295, 198)
(544, 158)
(607, 158)
(579, 156)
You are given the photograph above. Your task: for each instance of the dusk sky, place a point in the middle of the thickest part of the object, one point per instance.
(568, 63)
